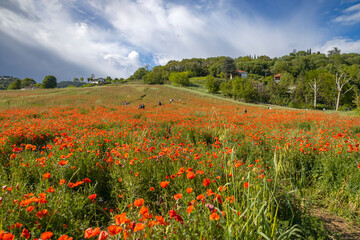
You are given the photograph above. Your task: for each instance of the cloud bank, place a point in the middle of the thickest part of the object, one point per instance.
(74, 38)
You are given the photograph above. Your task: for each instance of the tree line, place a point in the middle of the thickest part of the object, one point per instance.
(307, 80)
(48, 82)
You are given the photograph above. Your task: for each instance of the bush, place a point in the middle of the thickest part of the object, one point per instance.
(226, 88)
(212, 84)
(15, 85)
(154, 77)
(180, 78)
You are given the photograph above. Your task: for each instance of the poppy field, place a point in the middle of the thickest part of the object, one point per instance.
(79, 164)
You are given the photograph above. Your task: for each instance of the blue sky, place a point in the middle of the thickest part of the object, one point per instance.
(75, 38)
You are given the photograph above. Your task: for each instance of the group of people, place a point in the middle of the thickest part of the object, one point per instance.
(142, 106)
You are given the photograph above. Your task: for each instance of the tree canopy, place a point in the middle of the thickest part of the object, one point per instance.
(297, 70)
(49, 82)
(15, 85)
(26, 82)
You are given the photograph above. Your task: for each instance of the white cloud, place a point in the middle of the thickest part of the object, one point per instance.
(171, 31)
(351, 15)
(55, 30)
(345, 45)
(112, 36)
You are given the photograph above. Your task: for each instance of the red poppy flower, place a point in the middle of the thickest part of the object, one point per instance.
(164, 184)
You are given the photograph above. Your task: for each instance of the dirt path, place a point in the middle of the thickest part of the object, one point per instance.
(339, 227)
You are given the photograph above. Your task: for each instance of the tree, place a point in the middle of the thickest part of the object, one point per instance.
(356, 100)
(334, 51)
(180, 78)
(81, 79)
(281, 67)
(215, 69)
(27, 82)
(212, 84)
(108, 79)
(140, 73)
(15, 85)
(76, 80)
(156, 76)
(314, 83)
(49, 82)
(341, 81)
(228, 66)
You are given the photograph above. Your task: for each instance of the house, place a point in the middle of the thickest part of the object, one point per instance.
(277, 78)
(97, 80)
(239, 73)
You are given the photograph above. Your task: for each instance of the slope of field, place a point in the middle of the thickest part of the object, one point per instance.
(79, 163)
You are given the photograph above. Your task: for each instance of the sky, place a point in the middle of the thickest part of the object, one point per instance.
(77, 38)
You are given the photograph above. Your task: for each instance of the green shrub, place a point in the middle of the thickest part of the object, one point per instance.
(179, 78)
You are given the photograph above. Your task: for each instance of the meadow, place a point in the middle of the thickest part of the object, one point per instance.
(78, 163)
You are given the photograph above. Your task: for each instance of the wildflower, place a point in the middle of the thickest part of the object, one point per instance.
(178, 196)
(189, 190)
(89, 233)
(62, 181)
(139, 202)
(114, 230)
(86, 180)
(42, 213)
(164, 184)
(46, 235)
(160, 220)
(173, 214)
(152, 189)
(139, 227)
(25, 233)
(210, 206)
(46, 176)
(121, 219)
(190, 175)
(63, 162)
(200, 197)
(103, 235)
(92, 197)
(190, 209)
(246, 184)
(65, 237)
(7, 236)
(143, 210)
(214, 216)
(30, 208)
(206, 182)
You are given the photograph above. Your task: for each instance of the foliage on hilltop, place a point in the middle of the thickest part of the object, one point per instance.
(5, 81)
(298, 72)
